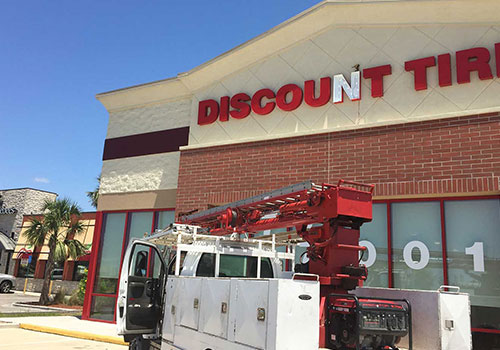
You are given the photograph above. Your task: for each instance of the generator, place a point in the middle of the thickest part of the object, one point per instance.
(367, 324)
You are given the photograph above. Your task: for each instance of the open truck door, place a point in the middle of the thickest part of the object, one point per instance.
(140, 294)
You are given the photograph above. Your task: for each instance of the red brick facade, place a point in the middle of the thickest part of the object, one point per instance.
(456, 155)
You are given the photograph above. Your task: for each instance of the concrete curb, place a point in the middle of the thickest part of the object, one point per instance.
(47, 308)
(8, 325)
(73, 334)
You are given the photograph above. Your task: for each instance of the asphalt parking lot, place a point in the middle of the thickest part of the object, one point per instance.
(7, 299)
(20, 339)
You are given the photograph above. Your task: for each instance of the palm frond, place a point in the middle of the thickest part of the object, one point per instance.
(93, 196)
(53, 239)
(60, 252)
(36, 232)
(75, 248)
(74, 228)
(60, 213)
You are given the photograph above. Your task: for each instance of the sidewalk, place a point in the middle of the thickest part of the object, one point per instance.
(69, 326)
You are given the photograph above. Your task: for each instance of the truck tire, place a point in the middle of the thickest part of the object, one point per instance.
(139, 343)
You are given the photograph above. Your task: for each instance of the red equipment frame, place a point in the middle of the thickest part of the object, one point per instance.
(326, 216)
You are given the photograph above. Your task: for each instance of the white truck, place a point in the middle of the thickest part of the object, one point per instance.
(215, 293)
(182, 289)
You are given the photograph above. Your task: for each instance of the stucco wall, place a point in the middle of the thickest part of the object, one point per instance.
(26, 201)
(150, 172)
(145, 119)
(144, 173)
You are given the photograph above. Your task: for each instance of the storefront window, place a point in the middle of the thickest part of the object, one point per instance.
(103, 308)
(374, 236)
(110, 255)
(416, 245)
(140, 224)
(473, 244)
(164, 219)
(113, 237)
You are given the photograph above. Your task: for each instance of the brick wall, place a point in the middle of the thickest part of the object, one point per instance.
(455, 155)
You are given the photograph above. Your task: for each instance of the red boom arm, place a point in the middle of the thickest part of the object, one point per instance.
(327, 216)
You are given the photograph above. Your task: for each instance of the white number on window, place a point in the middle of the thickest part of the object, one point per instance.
(372, 253)
(424, 255)
(477, 252)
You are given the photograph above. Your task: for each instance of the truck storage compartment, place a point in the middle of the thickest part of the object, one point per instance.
(249, 312)
(189, 302)
(170, 312)
(271, 314)
(214, 309)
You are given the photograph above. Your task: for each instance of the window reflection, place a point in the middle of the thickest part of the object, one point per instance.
(110, 254)
(417, 227)
(474, 224)
(375, 232)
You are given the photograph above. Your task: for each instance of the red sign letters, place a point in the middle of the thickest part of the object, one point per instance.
(290, 96)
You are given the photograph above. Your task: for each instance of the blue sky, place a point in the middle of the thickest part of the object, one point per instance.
(57, 55)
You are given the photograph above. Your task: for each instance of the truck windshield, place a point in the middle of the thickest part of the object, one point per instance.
(233, 266)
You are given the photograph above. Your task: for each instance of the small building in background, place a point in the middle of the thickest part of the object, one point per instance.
(29, 262)
(14, 204)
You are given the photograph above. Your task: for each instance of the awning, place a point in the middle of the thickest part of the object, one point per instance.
(6, 243)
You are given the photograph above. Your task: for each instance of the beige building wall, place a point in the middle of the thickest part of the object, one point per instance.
(148, 118)
(150, 175)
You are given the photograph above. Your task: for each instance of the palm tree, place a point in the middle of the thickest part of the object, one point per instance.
(57, 227)
(94, 195)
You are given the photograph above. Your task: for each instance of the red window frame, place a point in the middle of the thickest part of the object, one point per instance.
(441, 201)
(94, 263)
(388, 202)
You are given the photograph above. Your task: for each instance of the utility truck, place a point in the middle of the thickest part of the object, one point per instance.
(214, 282)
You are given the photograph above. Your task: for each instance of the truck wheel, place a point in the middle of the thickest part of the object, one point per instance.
(5, 287)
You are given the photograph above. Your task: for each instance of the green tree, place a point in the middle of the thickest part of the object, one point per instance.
(93, 196)
(57, 227)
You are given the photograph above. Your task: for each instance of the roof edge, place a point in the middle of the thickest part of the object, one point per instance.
(27, 188)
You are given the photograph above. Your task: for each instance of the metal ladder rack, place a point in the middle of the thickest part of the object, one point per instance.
(266, 202)
(185, 238)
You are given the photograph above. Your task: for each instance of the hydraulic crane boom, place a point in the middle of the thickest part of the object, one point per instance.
(300, 204)
(326, 216)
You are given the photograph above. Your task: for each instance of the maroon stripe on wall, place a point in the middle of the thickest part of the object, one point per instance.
(147, 143)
